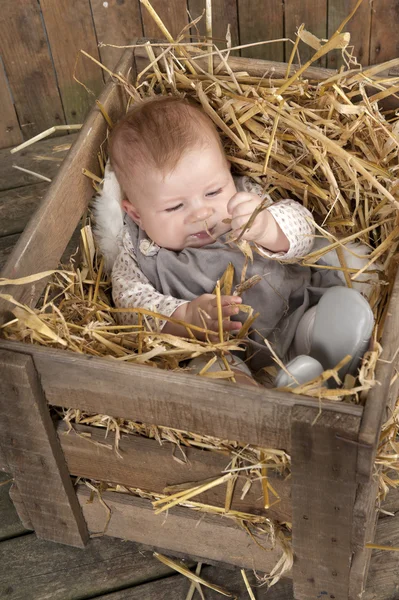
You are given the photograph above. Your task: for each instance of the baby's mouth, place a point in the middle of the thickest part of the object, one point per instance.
(204, 234)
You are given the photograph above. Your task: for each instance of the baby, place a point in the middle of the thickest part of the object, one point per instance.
(180, 201)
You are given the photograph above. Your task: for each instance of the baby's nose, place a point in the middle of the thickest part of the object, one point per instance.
(202, 213)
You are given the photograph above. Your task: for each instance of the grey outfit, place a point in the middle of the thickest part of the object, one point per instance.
(283, 294)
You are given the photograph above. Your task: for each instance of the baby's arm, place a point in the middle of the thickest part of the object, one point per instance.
(285, 229)
(131, 289)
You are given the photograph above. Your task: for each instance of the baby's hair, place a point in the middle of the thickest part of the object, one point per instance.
(156, 132)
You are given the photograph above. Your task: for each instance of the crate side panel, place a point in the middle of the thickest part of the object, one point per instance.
(183, 530)
(47, 234)
(145, 464)
(34, 455)
(324, 454)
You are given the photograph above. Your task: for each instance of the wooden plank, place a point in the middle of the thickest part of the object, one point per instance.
(231, 581)
(365, 515)
(28, 158)
(116, 23)
(382, 397)
(37, 570)
(383, 578)
(323, 495)
(7, 245)
(20, 507)
(18, 205)
(10, 132)
(173, 14)
(262, 20)
(384, 43)
(70, 28)
(29, 67)
(34, 455)
(314, 16)
(359, 28)
(10, 525)
(201, 536)
(224, 13)
(147, 465)
(178, 400)
(254, 67)
(46, 236)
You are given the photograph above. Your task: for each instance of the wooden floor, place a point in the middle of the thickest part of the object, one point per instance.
(112, 569)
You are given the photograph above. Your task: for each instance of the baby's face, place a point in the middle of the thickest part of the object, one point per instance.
(186, 207)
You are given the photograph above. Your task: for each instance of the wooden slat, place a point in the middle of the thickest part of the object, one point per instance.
(33, 569)
(46, 236)
(186, 531)
(262, 20)
(10, 525)
(10, 132)
(34, 455)
(70, 28)
(29, 68)
(178, 400)
(116, 23)
(224, 13)
(384, 31)
(20, 508)
(147, 465)
(314, 16)
(254, 67)
(365, 515)
(18, 205)
(7, 244)
(359, 28)
(323, 495)
(383, 579)
(29, 158)
(172, 13)
(382, 397)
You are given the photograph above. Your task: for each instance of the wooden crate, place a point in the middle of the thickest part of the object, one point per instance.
(330, 497)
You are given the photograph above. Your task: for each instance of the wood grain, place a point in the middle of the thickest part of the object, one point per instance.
(10, 525)
(262, 20)
(28, 158)
(145, 464)
(116, 23)
(7, 244)
(20, 508)
(178, 400)
(34, 455)
(314, 16)
(173, 14)
(70, 28)
(29, 67)
(323, 495)
(383, 579)
(384, 41)
(358, 27)
(18, 205)
(224, 13)
(201, 536)
(10, 132)
(46, 236)
(35, 569)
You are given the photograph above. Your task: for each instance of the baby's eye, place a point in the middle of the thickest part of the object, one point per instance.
(174, 208)
(215, 193)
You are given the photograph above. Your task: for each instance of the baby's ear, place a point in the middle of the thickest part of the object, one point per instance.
(131, 211)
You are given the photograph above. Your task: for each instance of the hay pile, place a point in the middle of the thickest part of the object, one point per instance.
(328, 144)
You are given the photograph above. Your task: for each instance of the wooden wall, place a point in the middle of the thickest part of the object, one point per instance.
(41, 40)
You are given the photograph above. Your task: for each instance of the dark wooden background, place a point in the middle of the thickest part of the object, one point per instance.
(40, 42)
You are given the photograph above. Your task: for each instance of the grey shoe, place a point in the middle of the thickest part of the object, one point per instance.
(340, 324)
(300, 370)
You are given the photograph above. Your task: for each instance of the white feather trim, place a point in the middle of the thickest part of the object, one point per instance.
(108, 215)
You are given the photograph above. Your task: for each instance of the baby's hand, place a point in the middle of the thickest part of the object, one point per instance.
(264, 229)
(206, 306)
